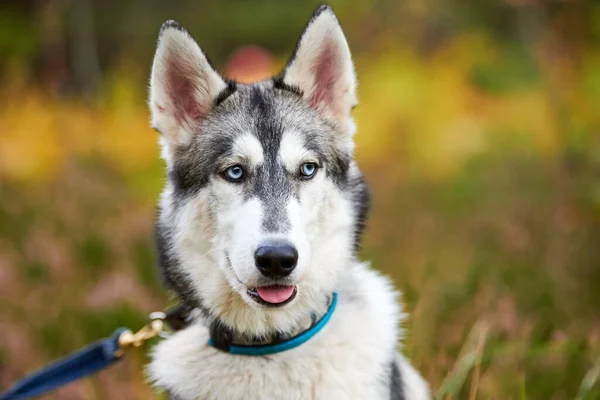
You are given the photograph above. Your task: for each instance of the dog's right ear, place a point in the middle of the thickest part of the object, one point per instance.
(183, 86)
(321, 68)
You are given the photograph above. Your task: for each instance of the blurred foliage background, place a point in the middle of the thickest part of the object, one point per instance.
(478, 134)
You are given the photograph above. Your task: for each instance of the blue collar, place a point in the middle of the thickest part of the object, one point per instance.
(268, 349)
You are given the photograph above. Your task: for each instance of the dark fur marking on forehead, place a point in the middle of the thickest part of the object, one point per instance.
(267, 125)
(272, 184)
(258, 102)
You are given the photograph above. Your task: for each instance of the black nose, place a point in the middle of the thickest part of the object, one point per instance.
(276, 260)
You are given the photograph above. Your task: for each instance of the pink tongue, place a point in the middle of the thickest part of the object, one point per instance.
(275, 294)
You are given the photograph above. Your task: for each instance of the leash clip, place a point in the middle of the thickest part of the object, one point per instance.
(153, 329)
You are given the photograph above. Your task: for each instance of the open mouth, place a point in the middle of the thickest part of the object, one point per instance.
(273, 295)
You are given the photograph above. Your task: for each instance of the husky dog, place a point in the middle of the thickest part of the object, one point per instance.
(259, 224)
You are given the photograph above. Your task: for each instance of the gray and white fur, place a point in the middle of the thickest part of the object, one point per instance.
(210, 226)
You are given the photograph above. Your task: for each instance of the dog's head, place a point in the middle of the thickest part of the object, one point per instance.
(263, 204)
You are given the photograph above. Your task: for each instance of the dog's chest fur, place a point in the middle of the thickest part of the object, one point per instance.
(350, 358)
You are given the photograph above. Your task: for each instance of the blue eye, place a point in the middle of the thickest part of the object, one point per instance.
(234, 173)
(308, 169)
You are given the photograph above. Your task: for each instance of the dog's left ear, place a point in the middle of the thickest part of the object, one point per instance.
(321, 67)
(183, 87)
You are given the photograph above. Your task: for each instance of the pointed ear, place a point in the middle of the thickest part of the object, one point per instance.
(183, 86)
(322, 69)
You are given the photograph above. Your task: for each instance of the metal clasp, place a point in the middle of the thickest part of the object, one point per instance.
(153, 329)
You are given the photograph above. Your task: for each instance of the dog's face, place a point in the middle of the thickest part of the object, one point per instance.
(263, 202)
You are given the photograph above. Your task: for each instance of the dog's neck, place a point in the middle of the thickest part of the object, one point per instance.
(223, 335)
